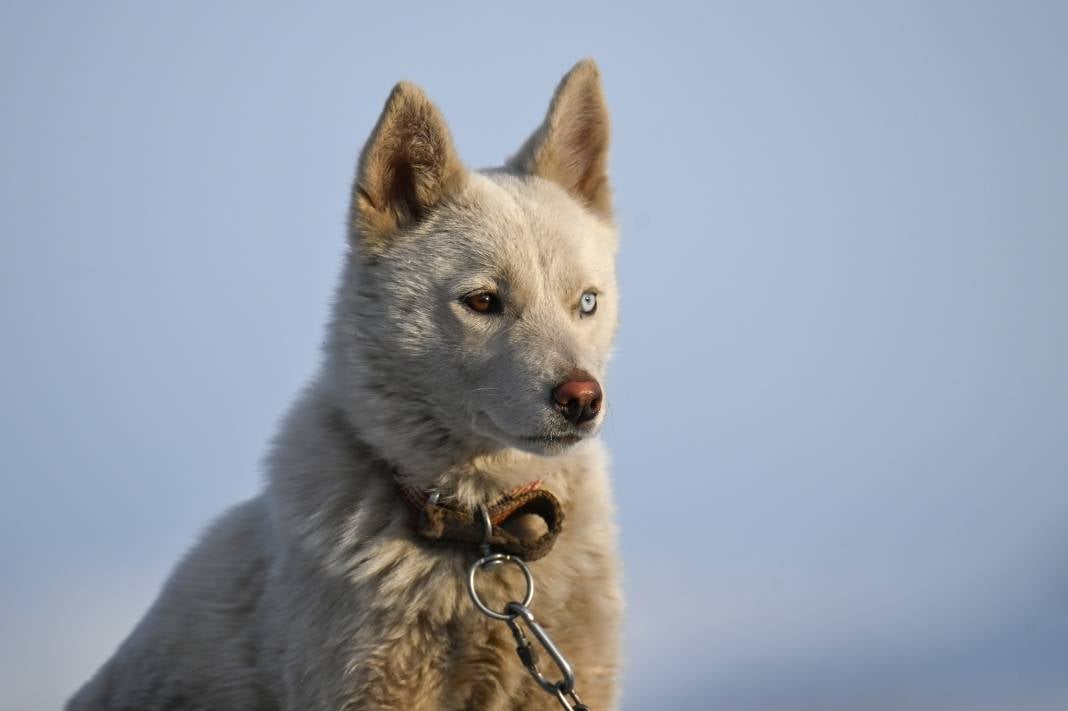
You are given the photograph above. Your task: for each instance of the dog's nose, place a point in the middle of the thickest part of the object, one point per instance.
(579, 397)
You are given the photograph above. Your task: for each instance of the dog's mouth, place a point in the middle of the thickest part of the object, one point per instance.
(549, 442)
(543, 442)
(555, 440)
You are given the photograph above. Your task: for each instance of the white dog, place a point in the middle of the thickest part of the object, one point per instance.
(462, 368)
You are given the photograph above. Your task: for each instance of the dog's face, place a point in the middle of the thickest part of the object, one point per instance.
(481, 307)
(497, 306)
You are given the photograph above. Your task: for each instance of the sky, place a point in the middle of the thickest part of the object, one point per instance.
(839, 418)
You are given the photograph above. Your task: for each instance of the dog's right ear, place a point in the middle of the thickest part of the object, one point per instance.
(408, 166)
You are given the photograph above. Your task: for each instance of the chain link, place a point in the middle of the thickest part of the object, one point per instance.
(514, 612)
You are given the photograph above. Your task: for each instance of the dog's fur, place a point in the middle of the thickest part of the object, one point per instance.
(317, 594)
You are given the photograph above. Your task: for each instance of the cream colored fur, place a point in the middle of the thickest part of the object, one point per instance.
(316, 594)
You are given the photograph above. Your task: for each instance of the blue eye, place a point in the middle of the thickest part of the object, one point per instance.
(588, 303)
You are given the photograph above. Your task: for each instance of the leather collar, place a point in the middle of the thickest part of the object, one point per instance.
(439, 521)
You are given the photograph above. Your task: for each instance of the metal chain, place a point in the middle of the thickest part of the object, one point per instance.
(564, 689)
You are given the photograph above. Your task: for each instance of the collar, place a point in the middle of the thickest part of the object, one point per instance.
(439, 521)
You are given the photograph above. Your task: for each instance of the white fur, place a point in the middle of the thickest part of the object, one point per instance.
(316, 594)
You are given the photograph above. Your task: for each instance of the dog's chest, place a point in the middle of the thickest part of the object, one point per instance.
(430, 648)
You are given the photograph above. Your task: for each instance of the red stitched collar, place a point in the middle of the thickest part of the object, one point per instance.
(439, 522)
(418, 498)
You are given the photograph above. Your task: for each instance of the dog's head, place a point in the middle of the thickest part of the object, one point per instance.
(479, 308)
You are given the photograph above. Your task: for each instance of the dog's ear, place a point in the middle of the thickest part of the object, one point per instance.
(570, 147)
(408, 166)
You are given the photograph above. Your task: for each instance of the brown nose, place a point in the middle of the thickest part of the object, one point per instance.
(579, 397)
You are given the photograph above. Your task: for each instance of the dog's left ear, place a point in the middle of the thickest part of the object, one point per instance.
(570, 148)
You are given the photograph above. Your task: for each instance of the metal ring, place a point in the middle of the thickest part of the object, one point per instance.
(496, 558)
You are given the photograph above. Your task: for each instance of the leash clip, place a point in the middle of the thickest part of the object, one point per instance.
(514, 612)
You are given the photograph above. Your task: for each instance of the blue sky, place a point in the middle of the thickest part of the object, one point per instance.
(840, 394)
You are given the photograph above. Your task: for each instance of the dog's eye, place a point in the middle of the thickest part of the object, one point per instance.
(483, 302)
(588, 303)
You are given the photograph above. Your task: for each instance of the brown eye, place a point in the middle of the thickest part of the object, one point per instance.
(483, 302)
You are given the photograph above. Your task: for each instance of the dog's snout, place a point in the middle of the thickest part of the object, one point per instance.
(579, 397)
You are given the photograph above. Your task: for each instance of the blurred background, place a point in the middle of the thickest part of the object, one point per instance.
(840, 394)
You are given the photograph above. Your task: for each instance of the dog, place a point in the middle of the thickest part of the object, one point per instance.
(463, 366)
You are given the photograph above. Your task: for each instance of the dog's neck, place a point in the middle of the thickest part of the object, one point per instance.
(468, 475)
(330, 489)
